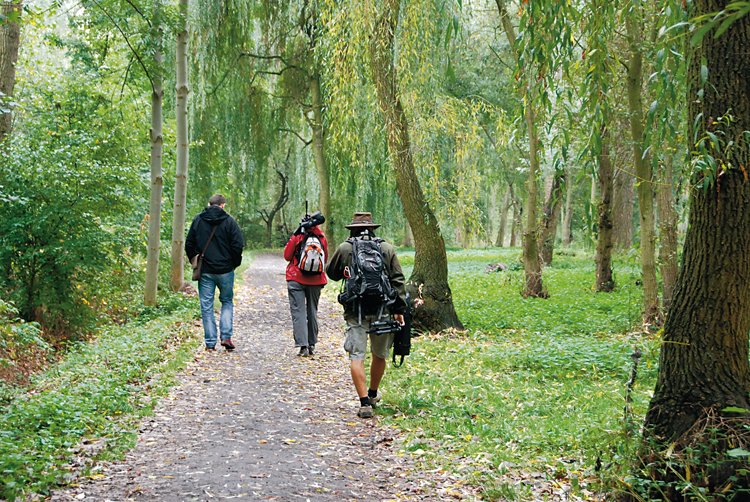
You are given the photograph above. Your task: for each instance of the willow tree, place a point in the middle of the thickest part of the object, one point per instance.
(634, 23)
(532, 263)
(10, 38)
(429, 279)
(597, 87)
(181, 171)
(703, 365)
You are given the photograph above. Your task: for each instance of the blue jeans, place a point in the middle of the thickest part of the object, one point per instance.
(206, 289)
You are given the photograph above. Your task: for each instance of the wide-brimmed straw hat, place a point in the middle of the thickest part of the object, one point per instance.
(362, 220)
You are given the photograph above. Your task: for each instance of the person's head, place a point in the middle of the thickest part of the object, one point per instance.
(217, 200)
(361, 222)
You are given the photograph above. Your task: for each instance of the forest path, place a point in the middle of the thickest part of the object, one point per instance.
(261, 423)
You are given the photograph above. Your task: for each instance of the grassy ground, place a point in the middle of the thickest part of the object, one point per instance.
(533, 388)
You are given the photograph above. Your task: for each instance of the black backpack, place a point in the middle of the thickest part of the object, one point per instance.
(368, 287)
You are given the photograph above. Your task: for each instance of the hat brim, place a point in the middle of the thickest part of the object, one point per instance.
(362, 225)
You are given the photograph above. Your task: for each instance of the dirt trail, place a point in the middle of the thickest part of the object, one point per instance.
(261, 423)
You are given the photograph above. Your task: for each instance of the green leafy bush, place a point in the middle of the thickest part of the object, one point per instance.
(71, 225)
(96, 392)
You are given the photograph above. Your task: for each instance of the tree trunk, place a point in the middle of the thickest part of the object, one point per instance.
(551, 216)
(504, 208)
(622, 214)
(515, 228)
(429, 279)
(568, 213)
(183, 138)
(157, 181)
(668, 233)
(408, 235)
(10, 37)
(704, 357)
(603, 259)
(532, 262)
(643, 171)
(318, 144)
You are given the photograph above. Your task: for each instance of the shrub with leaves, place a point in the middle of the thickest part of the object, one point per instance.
(97, 392)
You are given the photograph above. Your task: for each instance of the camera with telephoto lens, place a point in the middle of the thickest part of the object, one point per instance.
(311, 220)
(384, 327)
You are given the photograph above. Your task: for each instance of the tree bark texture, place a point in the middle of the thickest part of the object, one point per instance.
(429, 279)
(157, 180)
(665, 200)
(603, 259)
(567, 220)
(643, 171)
(10, 38)
(704, 358)
(318, 144)
(551, 216)
(622, 214)
(532, 260)
(183, 138)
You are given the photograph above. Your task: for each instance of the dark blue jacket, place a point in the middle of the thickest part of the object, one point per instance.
(224, 253)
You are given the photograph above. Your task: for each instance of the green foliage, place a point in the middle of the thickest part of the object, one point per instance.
(71, 231)
(535, 384)
(98, 392)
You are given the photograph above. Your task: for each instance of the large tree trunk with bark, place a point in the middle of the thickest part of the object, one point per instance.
(157, 181)
(429, 279)
(665, 198)
(181, 172)
(10, 38)
(604, 279)
(532, 260)
(643, 171)
(551, 215)
(318, 144)
(704, 358)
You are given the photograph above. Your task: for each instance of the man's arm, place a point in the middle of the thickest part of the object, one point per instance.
(396, 276)
(191, 244)
(237, 243)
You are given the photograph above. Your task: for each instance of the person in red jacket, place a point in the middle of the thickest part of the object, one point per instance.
(306, 252)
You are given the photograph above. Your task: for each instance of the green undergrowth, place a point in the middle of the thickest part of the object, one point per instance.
(534, 389)
(87, 406)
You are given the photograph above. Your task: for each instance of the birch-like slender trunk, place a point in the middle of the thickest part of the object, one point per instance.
(183, 138)
(10, 40)
(157, 181)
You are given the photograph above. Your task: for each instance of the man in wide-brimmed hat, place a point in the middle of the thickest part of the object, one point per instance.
(359, 312)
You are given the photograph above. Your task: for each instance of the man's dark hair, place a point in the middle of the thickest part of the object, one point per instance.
(217, 200)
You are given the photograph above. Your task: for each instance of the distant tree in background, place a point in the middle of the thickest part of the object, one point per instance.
(10, 32)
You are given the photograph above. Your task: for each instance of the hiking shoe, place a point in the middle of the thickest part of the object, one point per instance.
(227, 344)
(303, 352)
(311, 349)
(375, 400)
(365, 411)
(210, 349)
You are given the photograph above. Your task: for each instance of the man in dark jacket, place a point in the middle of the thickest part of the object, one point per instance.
(223, 253)
(358, 322)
